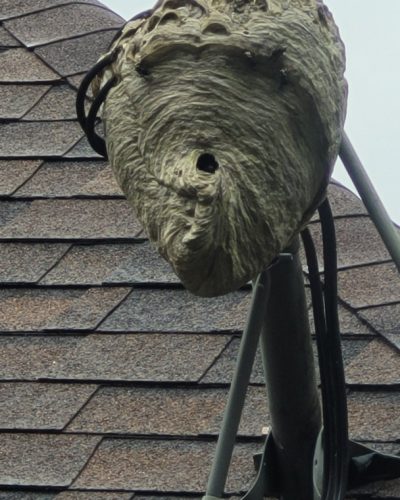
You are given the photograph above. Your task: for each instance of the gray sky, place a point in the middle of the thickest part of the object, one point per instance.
(372, 36)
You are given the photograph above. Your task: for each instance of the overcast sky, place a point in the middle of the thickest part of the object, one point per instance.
(371, 34)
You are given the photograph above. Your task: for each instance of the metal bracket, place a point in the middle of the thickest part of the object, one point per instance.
(266, 482)
(365, 466)
(368, 465)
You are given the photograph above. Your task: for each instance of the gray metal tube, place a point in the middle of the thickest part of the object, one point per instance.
(290, 379)
(371, 200)
(237, 393)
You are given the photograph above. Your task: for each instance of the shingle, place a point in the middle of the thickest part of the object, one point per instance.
(350, 324)
(97, 495)
(221, 372)
(25, 358)
(12, 8)
(167, 411)
(344, 202)
(58, 104)
(33, 406)
(87, 312)
(25, 495)
(69, 219)
(97, 264)
(180, 466)
(28, 310)
(76, 55)
(370, 285)
(351, 349)
(10, 211)
(385, 319)
(16, 100)
(7, 40)
(151, 357)
(81, 150)
(145, 265)
(68, 179)
(38, 138)
(61, 22)
(27, 263)
(13, 173)
(374, 416)
(178, 310)
(358, 242)
(391, 448)
(32, 309)
(377, 364)
(76, 81)
(104, 184)
(20, 65)
(394, 339)
(42, 459)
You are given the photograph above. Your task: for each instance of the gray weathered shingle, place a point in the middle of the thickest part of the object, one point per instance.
(48, 460)
(19, 65)
(14, 173)
(60, 23)
(17, 100)
(34, 406)
(75, 55)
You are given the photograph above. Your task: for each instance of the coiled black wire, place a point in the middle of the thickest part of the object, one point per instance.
(88, 123)
(333, 388)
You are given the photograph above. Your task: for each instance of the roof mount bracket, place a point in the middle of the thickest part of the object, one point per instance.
(365, 466)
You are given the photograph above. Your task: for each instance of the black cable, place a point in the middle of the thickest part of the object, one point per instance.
(333, 389)
(88, 122)
(97, 142)
(85, 83)
(318, 307)
(337, 424)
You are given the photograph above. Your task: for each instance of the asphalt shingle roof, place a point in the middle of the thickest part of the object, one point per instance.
(112, 377)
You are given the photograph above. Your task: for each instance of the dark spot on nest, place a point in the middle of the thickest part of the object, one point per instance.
(216, 29)
(207, 163)
(141, 70)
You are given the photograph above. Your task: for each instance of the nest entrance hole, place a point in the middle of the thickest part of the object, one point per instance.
(206, 162)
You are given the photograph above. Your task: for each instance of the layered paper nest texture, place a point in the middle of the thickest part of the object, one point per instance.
(223, 128)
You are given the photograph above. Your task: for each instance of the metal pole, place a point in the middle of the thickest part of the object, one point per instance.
(237, 393)
(290, 379)
(371, 200)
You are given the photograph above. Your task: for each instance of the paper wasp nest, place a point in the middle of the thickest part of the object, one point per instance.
(223, 128)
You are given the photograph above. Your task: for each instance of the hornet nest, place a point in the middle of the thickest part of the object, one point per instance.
(222, 128)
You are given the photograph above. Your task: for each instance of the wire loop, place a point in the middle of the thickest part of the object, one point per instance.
(88, 122)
